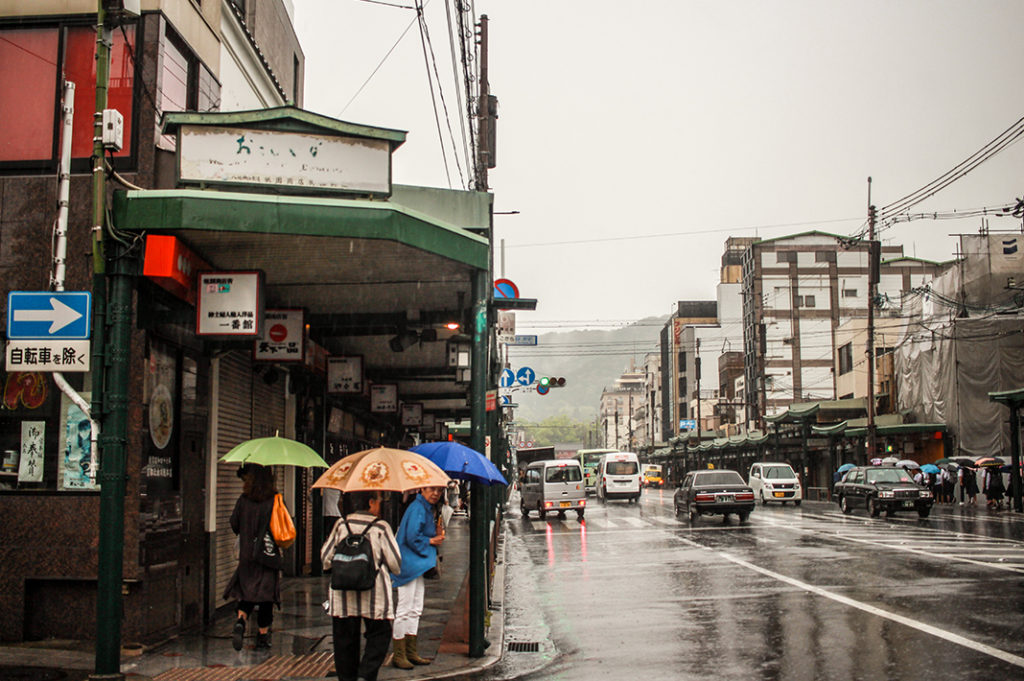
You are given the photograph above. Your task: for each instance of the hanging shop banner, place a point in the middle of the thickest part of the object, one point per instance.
(429, 424)
(345, 374)
(384, 398)
(282, 337)
(30, 464)
(75, 453)
(230, 304)
(412, 414)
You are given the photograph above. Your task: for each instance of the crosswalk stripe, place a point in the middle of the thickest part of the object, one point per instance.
(635, 522)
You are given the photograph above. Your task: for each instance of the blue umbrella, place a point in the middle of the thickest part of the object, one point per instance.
(930, 468)
(845, 467)
(459, 461)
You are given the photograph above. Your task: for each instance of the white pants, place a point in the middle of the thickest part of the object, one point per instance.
(409, 608)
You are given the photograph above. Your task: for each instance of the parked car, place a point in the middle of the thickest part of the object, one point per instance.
(882, 488)
(713, 492)
(775, 482)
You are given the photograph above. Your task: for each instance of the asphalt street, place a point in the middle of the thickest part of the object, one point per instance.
(634, 592)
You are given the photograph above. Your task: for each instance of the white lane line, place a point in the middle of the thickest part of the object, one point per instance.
(600, 522)
(906, 621)
(894, 547)
(664, 520)
(635, 522)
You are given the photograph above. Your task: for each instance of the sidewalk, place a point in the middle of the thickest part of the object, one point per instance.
(301, 641)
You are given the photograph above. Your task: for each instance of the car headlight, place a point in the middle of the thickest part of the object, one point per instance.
(886, 494)
(924, 494)
(767, 485)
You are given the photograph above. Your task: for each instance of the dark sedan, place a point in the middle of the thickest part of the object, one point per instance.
(882, 488)
(713, 492)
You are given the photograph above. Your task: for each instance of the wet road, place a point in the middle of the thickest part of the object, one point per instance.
(795, 593)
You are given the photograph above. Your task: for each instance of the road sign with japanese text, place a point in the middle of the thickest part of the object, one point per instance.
(66, 356)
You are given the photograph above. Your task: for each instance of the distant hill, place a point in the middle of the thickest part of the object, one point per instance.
(589, 361)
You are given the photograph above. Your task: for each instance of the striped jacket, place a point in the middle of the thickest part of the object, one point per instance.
(376, 603)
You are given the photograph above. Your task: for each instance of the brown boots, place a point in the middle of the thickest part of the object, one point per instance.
(406, 654)
(410, 651)
(399, 659)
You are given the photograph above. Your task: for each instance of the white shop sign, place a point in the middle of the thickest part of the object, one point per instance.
(230, 304)
(211, 154)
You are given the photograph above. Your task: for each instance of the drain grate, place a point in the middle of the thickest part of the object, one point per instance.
(523, 647)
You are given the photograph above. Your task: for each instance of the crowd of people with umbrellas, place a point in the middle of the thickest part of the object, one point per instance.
(397, 560)
(947, 475)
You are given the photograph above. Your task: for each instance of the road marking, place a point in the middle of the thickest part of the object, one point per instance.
(876, 541)
(635, 522)
(906, 621)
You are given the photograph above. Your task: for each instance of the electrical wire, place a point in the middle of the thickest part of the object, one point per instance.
(1003, 140)
(379, 65)
(458, 91)
(430, 85)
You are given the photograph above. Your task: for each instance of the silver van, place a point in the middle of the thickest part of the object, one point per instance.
(555, 485)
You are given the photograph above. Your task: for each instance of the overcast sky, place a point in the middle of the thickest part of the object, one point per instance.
(635, 137)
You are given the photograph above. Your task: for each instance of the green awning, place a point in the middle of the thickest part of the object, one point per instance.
(1008, 396)
(900, 429)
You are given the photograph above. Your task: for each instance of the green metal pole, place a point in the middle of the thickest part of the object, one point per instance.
(478, 501)
(111, 444)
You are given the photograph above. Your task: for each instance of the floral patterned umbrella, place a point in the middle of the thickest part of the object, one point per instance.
(382, 469)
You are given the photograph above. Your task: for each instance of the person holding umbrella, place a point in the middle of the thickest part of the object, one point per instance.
(418, 539)
(351, 610)
(255, 585)
(968, 485)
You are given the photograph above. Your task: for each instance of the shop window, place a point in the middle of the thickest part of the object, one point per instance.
(44, 436)
(31, 63)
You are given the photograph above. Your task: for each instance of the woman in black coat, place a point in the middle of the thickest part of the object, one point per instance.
(255, 585)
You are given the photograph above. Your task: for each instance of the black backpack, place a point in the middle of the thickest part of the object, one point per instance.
(352, 568)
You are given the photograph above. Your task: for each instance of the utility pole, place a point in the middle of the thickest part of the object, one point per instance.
(696, 363)
(874, 257)
(486, 113)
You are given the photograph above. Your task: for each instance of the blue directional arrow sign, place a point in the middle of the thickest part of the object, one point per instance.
(525, 376)
(55, 315)
(507, 378)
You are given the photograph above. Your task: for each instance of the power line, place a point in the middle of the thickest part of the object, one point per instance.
(1003, 140)
(663, 235)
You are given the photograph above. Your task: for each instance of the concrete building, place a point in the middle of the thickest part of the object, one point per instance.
(191, 197)
(620, 404)
(797, 291)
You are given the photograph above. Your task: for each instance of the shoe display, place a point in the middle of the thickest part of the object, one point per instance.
(238, 633)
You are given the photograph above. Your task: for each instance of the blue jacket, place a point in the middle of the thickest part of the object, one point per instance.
(414, 533)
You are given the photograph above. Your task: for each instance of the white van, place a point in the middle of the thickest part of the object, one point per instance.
(618, 477)
(555, 485)
(775, 482)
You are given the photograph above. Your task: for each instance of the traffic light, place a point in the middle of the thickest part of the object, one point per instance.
(551, 382)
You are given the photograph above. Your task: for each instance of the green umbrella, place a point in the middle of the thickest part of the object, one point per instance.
(275, 451)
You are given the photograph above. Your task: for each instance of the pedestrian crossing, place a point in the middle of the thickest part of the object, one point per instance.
(933, 543)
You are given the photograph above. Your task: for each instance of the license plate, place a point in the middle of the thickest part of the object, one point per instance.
(725, 498)
(566, 504)
(780, 494)
(908, 504)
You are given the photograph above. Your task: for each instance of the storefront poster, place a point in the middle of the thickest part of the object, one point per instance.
(75, 449)
(384, 398)
(33, 436)
(412, 414)
(345, 374)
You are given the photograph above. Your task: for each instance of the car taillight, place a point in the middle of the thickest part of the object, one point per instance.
(548, 504)
(583, 502)
(705, 497)
(745, 496)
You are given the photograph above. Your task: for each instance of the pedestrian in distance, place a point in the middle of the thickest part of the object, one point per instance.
(255, 584)
(994, 487)
(418, 539)
(968, 485)
(372, 611)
